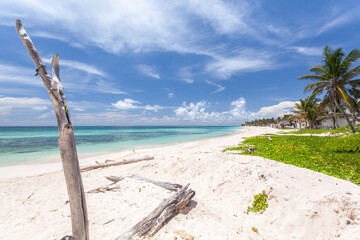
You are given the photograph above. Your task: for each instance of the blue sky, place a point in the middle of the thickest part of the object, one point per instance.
(152, 62)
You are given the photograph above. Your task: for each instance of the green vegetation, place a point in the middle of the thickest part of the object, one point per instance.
(259, 204)
(349, 144)
(344, 129)
(267, 121)
(334, 156)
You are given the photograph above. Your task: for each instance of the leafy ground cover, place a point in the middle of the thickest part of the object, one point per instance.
(335, 156)
(344, 129)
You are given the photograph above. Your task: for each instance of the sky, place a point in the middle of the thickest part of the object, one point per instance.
(153, 62)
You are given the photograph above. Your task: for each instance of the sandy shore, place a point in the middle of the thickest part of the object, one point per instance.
(302, 205)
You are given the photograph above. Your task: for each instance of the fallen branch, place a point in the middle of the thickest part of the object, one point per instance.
(89, 168)
(166, 185)
(103, 189)
(168, 208)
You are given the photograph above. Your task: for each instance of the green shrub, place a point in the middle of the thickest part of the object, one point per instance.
(349, 144)
(259, 204)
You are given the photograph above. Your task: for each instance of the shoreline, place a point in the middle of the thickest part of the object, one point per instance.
(25, 169)
(303, 204)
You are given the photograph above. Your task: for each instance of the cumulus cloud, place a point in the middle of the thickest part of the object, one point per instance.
(198, 112)
(277, 110)
(128, 104)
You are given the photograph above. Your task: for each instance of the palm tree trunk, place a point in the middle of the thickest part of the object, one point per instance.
(334, 119)
(344, 115)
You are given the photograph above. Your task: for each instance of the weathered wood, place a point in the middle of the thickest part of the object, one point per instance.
(166, 185)
(114, 179)
(110, 187)
(69, 158)
(89, 168)
(168, 208)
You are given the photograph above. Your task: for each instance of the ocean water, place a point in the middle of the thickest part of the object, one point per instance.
(25, 144)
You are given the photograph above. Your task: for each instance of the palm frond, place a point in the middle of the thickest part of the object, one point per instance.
(311, 86)
(319, 70)
(352, 57)
(348, 99)
(352, 73)
(354, 83)
(312, 77)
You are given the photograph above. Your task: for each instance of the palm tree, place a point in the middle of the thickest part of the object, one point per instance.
(335, 78)
(331, 113)
(300, 112)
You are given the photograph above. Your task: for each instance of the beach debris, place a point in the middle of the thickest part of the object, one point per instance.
(67, 237)
(109, 221)
(254, 229)
(114, 178)
(67, 145)
(109, 160)
(166, 210)
(184, 235)
(111, 187)
(166, 185)
(28, 197)
(103, 165)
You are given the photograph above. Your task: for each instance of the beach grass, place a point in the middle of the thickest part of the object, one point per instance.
(334, 156)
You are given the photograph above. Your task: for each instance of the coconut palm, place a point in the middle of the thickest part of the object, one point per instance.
(300, 112)
(331, 113)
(335, 78)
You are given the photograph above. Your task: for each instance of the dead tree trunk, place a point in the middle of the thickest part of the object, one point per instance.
(69, 158)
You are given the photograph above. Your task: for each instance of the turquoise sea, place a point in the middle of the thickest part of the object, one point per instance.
(24, 144)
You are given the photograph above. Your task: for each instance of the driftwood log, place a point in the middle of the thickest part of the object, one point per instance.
(69, 158)
(166, 185)
(89, 168)
(167, 209)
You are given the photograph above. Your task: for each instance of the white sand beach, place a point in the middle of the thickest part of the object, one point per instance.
(302, 205)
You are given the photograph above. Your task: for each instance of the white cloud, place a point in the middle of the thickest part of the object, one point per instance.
(7, 104)
(237, 113)
(106, 87)
(19, 75)
(245, 61)
(40, 108)
(309, 51)
(148, 71)
(79, 66)
(186, 75)
(239, 108)
(128, 104)
(224, 17)
(49, 35)
(277, 110)
(171, 95)
(219, 87)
